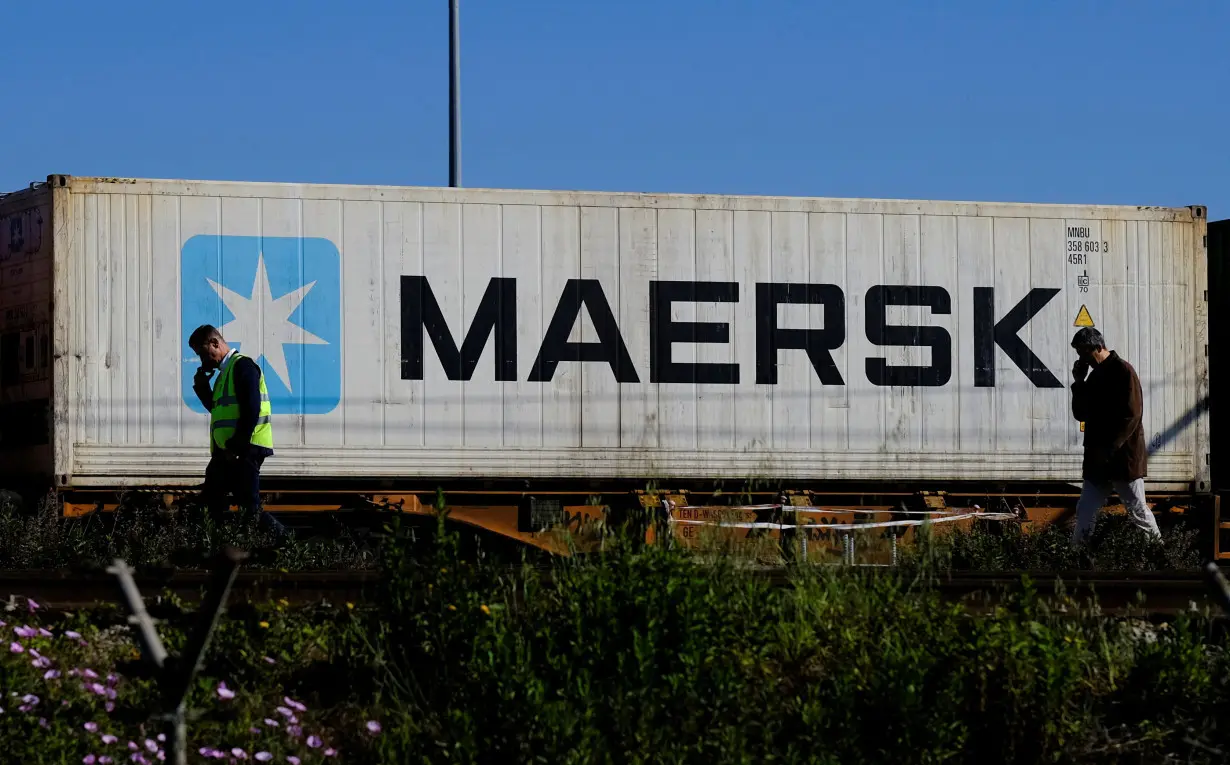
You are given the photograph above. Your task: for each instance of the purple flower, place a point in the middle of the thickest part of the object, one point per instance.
(25, 707)
(25, 632)
(41, 662)
(239, 753)
(112, 680)
(45, 632)
(254, 729)
(34, 652)
(96, 688)
(330, 752)
(30, 698)
(33, 606)
(264, 756)
(225, 693)
(294, 731)
(92, 727)
(151, 745)
(16, 647)
(373, 726)
(292, 759)
(89, 759)
(90, 673)
(72, 635)
(133, 746)
(271, 722)
(51, 674)
(110, 706)
(42, 722)
(161, 755)
(109, 739)
(162, 737)
(269, 660)
(139, 758)
(105, 760)
(206, 751)
(295, 704)
(74, 672)
(314, 741)
(110, 693)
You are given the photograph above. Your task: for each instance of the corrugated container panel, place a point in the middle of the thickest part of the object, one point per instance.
(431, 332)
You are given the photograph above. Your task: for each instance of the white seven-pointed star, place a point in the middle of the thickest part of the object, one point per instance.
(262, 324)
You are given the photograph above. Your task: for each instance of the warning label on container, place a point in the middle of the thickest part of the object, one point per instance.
(1083, 319)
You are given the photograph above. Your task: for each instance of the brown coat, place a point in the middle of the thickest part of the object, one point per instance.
(1110, 403)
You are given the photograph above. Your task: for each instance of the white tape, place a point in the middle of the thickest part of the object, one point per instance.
(811, 508)
(847, 526)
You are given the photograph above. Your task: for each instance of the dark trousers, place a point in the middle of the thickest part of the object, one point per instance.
(237, 476)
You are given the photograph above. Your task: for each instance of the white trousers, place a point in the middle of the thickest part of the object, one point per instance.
(1094, 495)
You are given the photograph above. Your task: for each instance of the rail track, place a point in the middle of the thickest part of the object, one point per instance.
(1156, 593)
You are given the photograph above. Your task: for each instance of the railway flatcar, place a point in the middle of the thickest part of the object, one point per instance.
(548, 358)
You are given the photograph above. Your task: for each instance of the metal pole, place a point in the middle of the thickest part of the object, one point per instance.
(454, 96)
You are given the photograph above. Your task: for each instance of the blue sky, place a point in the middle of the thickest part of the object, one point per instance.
(1111, 102)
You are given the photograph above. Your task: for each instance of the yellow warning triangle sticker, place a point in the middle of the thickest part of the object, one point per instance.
(1083, 319)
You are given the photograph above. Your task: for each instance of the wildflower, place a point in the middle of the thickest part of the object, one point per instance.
(239, 753)
(150, 745)
(51, 674)
(30, 698)
(139, 759)
(269, 660)
(271, 722)
(162, 737)
(264, 756)
(161, 755)
(110, 693)
(292, 703)
(109, 739)
(224, 692)
(89, 759)
(34, 652)
(254, 729)
(264, 625)
(314, 741)
(74, 672)
(92, 727)
(133, 746)
(451, 607)
(289, 715)
(97, 689)
(90, 673)
(485, 610)
(105, 760)
(283, 602)
(294, 731)
(42, 722)
(112, 679)
(330, 752)
(292, 759)
(33, 605)
(41, 662)
(25, 631)
(110, 706)
(72, 635)
(16, 647)
(349, 605)
(45, 632)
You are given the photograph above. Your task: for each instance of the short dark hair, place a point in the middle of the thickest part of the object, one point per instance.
(203, 334)
(1088, 337)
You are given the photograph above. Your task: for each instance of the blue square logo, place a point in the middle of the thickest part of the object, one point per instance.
(276, 300)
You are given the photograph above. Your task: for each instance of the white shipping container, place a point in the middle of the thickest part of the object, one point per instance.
(426, 332)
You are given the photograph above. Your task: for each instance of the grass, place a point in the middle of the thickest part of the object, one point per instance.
(641, 655)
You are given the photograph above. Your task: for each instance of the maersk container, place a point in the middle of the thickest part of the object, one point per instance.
(431, 332)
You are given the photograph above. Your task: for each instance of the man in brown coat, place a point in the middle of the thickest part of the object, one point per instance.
(1110, 403)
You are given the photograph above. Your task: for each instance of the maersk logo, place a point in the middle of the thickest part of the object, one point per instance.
(275, 299)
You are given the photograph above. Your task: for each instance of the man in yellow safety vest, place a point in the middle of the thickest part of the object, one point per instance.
(240, 427)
